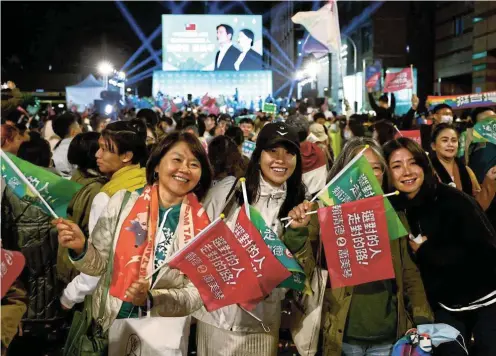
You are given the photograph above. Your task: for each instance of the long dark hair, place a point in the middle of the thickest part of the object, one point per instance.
(196, 149)
(294, 183)
(420, 156)
(225, 158)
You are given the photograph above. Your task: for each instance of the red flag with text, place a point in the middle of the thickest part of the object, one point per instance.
(398, 81)
(356, 242)
(269, 271)
(412, 134)
(219, 267)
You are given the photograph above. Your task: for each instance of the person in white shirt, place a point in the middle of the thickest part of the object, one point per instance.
(227, 54)
(65, 126)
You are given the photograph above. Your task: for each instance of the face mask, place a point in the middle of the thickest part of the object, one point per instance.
(446, 119)
(440, 333)
(347, 135)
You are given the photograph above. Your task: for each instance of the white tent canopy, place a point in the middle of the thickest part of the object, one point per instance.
(83, 94)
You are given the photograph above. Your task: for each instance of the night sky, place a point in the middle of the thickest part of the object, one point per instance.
(72, 37)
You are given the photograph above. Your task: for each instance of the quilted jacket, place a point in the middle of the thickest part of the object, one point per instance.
(28, 229)
(173, 294)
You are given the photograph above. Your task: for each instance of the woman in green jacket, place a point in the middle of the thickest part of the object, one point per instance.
(368, 319)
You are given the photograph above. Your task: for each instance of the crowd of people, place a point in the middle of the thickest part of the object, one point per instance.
(146, 163)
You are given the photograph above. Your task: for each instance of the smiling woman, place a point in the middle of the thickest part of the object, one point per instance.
(137, 232)
(450, 170)
(457, 253)
(274, 187)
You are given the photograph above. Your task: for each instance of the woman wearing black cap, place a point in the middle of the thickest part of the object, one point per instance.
(274, 187)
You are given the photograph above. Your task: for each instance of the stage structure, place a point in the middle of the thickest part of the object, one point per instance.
(214, 54)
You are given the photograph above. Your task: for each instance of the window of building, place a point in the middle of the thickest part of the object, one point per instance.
(458, 23)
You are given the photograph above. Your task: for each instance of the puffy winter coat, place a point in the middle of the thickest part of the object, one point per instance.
(173, 295)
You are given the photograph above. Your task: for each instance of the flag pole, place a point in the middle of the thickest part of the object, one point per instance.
(397, 192)
(28, 183)
(245, 197)
(350, 163)
(396, 127)
(170, 258)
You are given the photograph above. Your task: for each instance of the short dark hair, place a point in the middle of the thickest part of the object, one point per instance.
(149, 116)
(478, 111)
(385, 131)
(246, 121)
(249, 34)
(127, 136)
(196, 149)
(235, 134)
(418, 153)
(319, 115)
(384, 98)
(356, 126)
(62, 124)
(225, 158)
(229, 29)
(96, 120)
(440, 107)
(37, 151)
(82, 151)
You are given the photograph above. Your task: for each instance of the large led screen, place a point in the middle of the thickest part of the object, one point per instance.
(212, 42)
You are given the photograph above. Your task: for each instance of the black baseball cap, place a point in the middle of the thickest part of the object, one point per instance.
(275, 134)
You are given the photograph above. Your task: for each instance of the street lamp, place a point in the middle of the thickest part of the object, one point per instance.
(105, 68)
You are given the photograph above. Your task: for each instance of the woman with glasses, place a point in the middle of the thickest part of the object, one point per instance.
(368, 319)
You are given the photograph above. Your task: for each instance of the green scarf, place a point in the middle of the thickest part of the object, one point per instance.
(130, 178)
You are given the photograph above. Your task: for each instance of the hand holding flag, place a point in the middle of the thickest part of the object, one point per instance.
(70, 235)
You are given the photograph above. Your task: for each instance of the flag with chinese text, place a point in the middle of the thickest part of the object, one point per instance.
(358, 182)
(398, 81)
(280, 251)
(219, 267)
(56, 191)
(269, 270)
(411, 134)
(356, 244)
(485, 130)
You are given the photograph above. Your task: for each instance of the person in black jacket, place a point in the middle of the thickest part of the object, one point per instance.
(383, 110)
(227, 54)
(455, 248)
(248, 59)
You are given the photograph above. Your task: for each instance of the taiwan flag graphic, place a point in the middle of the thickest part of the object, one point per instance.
(191, 27)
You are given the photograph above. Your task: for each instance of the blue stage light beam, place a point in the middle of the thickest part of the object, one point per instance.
(147, 71)
(139, 79)
(267, 51)
(148, 41)
(127, 15)
(278, 91)
(227, 8)
(274, 42)
(143, 63)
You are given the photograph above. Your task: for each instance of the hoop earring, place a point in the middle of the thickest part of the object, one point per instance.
(155, 176)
